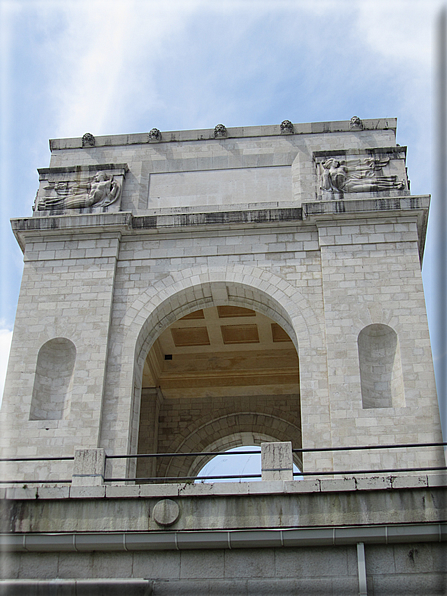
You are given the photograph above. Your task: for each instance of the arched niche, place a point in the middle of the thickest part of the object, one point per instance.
(380, 367)
(53, 381)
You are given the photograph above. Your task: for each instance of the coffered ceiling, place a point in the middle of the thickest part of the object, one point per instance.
(224, 350)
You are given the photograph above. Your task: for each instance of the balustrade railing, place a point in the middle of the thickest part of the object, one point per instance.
(89, 465)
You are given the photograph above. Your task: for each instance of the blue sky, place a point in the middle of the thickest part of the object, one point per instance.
(110, 67)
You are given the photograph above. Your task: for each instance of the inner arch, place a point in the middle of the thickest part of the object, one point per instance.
(236, 462)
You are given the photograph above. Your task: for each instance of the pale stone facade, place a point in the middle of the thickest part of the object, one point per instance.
(314, 229)
(190, 292)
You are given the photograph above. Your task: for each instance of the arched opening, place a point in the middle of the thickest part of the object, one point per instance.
(233, 463)
(217, 378)
(380, 367)
(53, 381)
(236, 462)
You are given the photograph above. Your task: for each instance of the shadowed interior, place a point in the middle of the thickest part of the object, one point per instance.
(217, 378)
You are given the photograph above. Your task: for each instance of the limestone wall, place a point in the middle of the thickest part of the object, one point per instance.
(205, 222)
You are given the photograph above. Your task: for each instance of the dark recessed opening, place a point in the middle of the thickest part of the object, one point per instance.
(168, 356)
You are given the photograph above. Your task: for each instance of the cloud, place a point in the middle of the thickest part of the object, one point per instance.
(401, 30)
(109, 66)
(102, 55)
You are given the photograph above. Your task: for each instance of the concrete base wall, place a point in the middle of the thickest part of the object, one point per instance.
(391, 570)
(227, 539)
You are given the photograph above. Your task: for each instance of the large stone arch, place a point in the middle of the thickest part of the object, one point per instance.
(170, 298)
(180, 294)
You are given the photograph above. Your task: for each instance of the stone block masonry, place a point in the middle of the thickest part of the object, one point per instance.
(188, 292)
(130, 235)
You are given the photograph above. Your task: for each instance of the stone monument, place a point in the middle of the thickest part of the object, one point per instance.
(189, 292)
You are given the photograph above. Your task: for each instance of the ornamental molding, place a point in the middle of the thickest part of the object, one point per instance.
(355, 123)
(154, 135)
(88, 140)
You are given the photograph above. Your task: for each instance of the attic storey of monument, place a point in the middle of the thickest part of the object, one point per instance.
(272, 265)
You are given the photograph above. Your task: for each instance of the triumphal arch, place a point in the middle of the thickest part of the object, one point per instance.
(193, 291)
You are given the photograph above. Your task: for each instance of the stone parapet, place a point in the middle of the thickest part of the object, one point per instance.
(237, 132)
(361, 501)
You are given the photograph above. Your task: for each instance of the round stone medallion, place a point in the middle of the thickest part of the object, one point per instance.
(166, 512)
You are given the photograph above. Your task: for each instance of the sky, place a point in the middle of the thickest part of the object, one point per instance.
(236, 462)
(123, 66)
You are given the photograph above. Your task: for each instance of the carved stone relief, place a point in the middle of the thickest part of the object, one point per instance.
(286, 127)
(220, 131)
(356, 174)
(356, 123)
(155, 135)
(88, 140)
(64, 190)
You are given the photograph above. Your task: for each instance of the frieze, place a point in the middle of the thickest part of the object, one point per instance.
(361, 171)
(80, 189)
